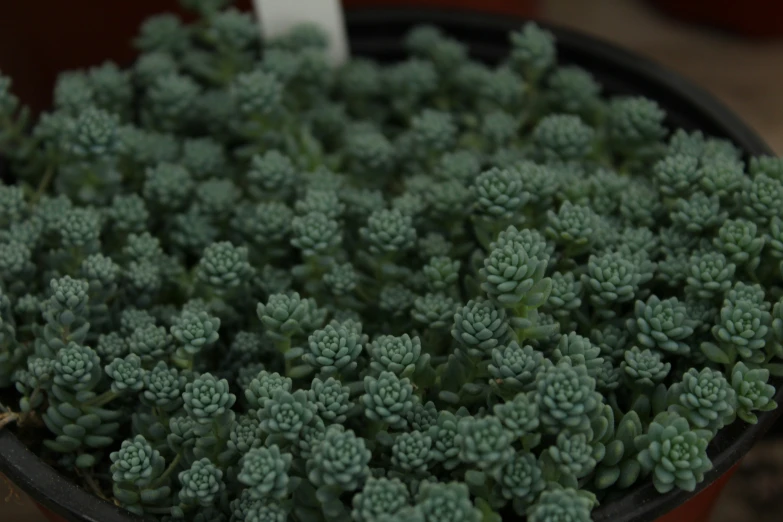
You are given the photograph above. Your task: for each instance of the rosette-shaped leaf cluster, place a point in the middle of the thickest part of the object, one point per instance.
(446, 500)
(369, 152)
(760, 198)
(388, 399)
(341, 279)
(388, 232)
(644, 369)
(256, 94)
(127, 375)
(724, 177)
(320, 200)
(77, 424)
(128, 214)
(662, 324)
(412, 453)
(710, 275)
(315, 234)
(207, 400)
(265, 225)
(560, 504)
(480, 327)
(520, 417)
(432, 133)
(612, 340)
(396, 299)
(513, 272)
(444, 434)
(573, 456)
(15, 265)
(331, 399)
(380, 496)
(285, 414)
(573, 226)
(271, 174)
(515, 368)
(678, 175)
(579, 351)
(573, 90)
(565, 296)
(168, 185)
(151, 343)
(484, 442)
(434, 310)
(163, 387)
(742, 331)
(263, 387)
(333, 349)
(520, 480)
(397, 354)
(635, 121)
(753, 391)
(566, 398)
(93, 135)
(341, 460)
(533, 50)
(498, 195)
(641, 205)
(194, 331)
(611, 279)
(201, 484)
(65, 315)
(137, 476)
(283, 314)
(442, 273)
(170, 101)
(245, 434)
(674, 453)
(704, 398)
(753, 293)
(563, 137)
(422, 417)
(224, 266)
(265, 473)
(699, 213)
(739, 240)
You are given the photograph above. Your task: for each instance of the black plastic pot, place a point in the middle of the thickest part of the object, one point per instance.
(378, 34)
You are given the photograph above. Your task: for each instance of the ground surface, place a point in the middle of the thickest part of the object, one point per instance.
(743, 74)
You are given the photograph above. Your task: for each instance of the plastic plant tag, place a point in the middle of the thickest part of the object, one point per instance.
(278, 16)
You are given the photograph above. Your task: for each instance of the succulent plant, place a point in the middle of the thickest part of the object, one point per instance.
(480, 290)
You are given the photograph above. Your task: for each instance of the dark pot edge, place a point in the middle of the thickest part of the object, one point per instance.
(642, 503)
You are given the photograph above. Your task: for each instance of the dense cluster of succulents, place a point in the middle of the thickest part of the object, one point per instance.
(238, 284)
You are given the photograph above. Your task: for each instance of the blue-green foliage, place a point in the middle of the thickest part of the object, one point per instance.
(480, 292)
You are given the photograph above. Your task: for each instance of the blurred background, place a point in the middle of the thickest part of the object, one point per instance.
(731, 48)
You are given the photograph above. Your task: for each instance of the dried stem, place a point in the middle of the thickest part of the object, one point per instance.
(93, 485)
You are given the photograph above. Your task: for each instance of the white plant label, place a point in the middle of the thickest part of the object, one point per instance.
(278, 16)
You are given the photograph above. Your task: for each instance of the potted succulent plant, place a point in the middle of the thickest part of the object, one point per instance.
(238, 284)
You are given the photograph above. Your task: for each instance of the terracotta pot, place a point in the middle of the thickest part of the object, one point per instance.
(700, 507)
(754, 18)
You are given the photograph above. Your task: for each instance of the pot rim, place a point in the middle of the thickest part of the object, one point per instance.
(677, 95)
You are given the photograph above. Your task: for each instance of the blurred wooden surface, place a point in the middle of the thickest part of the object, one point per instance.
(746, 76)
